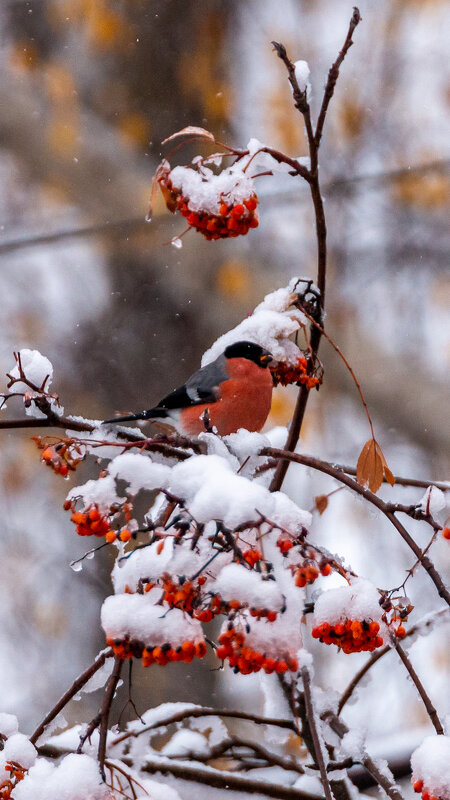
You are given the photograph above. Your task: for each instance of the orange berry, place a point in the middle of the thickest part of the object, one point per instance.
(223, 210)
(418, 786)
(110, 536)
(125, 535)
(251, 203)
(326, 569)
(200, 649)
(237, 210)
(446, 533)
(159, 549)
(271, 616)
(400, 632)
(426, 796)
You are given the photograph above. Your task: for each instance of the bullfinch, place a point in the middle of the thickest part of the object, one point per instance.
(235, 390)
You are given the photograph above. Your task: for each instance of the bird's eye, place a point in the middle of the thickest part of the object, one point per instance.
(264, 359)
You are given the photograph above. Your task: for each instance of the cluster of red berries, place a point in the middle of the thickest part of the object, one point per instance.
(308, 573)
(92, 522)
(252, 556)
(62, 457)
(17, 774)
(233, 219)
(245, 660)
(352, 636)
(162, 655)
(183, 594)
(419, 788)
(285, 373)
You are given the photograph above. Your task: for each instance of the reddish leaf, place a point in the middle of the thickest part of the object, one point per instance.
(191, 130)
(321, 503)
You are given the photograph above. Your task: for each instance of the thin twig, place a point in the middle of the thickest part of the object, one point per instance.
(334, 74)
(315, 736)
(414, 482)
(105, 711)
(71, 692)
(385, 508)
(431, 711)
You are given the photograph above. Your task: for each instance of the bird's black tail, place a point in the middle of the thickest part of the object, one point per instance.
(152, 413)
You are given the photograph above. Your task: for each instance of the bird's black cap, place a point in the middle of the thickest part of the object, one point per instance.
(254, 352)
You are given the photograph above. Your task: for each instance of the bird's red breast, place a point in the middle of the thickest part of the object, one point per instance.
(244, 402)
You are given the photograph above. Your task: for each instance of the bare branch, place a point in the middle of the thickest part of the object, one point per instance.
(105, 711)
(71, 692)
(315, 737)
(334, 74)
(431, 711)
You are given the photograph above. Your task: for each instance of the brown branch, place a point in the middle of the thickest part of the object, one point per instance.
(431, 711)
(339, 727)
(379, 653)
(71, 692)
(385, 508)
(318, 754)
(269, 757)
(219, 779)
(334, 74)
(207, 712)
(417, 482)
(105, 711)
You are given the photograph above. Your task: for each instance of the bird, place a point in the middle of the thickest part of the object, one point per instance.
(235, 391)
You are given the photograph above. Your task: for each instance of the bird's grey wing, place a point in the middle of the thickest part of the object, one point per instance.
(202, 387)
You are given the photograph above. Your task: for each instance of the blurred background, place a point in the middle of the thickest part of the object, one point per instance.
(89, 89)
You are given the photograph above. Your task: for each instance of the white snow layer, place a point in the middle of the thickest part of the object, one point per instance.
(8, 724)
(36, 369)
(137, 616)
(235, 582)
(271, 324)
(302, 73)
(360, 601)
(206, 190)
(76, 777)
(430, 763)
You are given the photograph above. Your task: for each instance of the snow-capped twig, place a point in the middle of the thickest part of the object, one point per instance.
(207, 712)
(386, 781)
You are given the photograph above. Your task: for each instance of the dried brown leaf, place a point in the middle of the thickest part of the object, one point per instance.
(191, 130)
(372, 467)
(369, 469)
(321, 503)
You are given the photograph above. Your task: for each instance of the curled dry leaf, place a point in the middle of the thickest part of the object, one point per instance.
(321, 503)
(372, 467)
(191, 130)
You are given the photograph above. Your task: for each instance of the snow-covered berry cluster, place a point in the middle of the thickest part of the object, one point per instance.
(285, 373)
(219, 206)
(94, 521)
(350, 618)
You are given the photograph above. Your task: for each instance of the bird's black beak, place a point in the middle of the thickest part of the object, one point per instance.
(265, 359)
